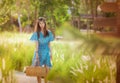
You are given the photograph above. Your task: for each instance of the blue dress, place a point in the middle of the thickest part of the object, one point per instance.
(43, 48)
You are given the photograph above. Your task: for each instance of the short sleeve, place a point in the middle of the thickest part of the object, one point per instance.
(51, 37)
(34, 37)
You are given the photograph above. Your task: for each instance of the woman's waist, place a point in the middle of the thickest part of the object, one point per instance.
(43, 47)
(43, 50)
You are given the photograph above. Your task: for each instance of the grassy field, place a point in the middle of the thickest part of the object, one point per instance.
(71, 64)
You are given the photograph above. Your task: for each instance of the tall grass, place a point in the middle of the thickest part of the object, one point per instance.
(71, 63)
(15, 53)
(75, 65)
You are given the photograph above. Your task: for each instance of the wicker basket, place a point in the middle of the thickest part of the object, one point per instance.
(35, 71)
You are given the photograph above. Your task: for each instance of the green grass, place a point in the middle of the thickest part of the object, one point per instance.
(71, 63)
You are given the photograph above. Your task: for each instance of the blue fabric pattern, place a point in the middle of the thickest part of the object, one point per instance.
(34, 37)
(43, 48)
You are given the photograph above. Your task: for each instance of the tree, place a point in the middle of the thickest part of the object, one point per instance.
(5, 10)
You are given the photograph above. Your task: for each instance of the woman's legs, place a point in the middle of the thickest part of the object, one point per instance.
(47, 71)
(39, 79)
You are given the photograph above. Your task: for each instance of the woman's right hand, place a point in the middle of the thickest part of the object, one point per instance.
(37, 21)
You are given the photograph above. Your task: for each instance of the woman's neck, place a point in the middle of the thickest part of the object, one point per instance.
(42, 31)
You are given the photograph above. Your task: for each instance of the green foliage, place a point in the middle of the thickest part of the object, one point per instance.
(96, 68)
(56, 12)
(5, 9)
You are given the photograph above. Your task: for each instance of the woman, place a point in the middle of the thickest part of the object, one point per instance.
(42, 38)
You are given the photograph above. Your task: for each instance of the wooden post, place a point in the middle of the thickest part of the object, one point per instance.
(118, 18)
(118, 33)
(79, 22)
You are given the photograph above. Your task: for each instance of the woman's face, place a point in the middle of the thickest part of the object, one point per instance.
(42, 24)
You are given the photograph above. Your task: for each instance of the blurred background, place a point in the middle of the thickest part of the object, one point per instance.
(86, 48)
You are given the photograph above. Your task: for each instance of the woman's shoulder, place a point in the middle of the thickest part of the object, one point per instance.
(33, 36)
(34, 33)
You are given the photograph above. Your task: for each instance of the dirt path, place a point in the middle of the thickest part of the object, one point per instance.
(22, 78)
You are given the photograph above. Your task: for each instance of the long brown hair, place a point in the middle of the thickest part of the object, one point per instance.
(38, 28)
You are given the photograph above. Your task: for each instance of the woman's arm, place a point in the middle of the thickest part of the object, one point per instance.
(36, 24)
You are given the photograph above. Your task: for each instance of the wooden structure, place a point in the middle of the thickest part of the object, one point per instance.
(76, 21)
(109, 7)
(113, 7)
(105, 21)
(82, 21)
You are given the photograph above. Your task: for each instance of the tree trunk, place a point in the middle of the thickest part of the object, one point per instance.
(19, 22)
(96, 5)
(118, 18)
(36, 12)
(91, 8)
